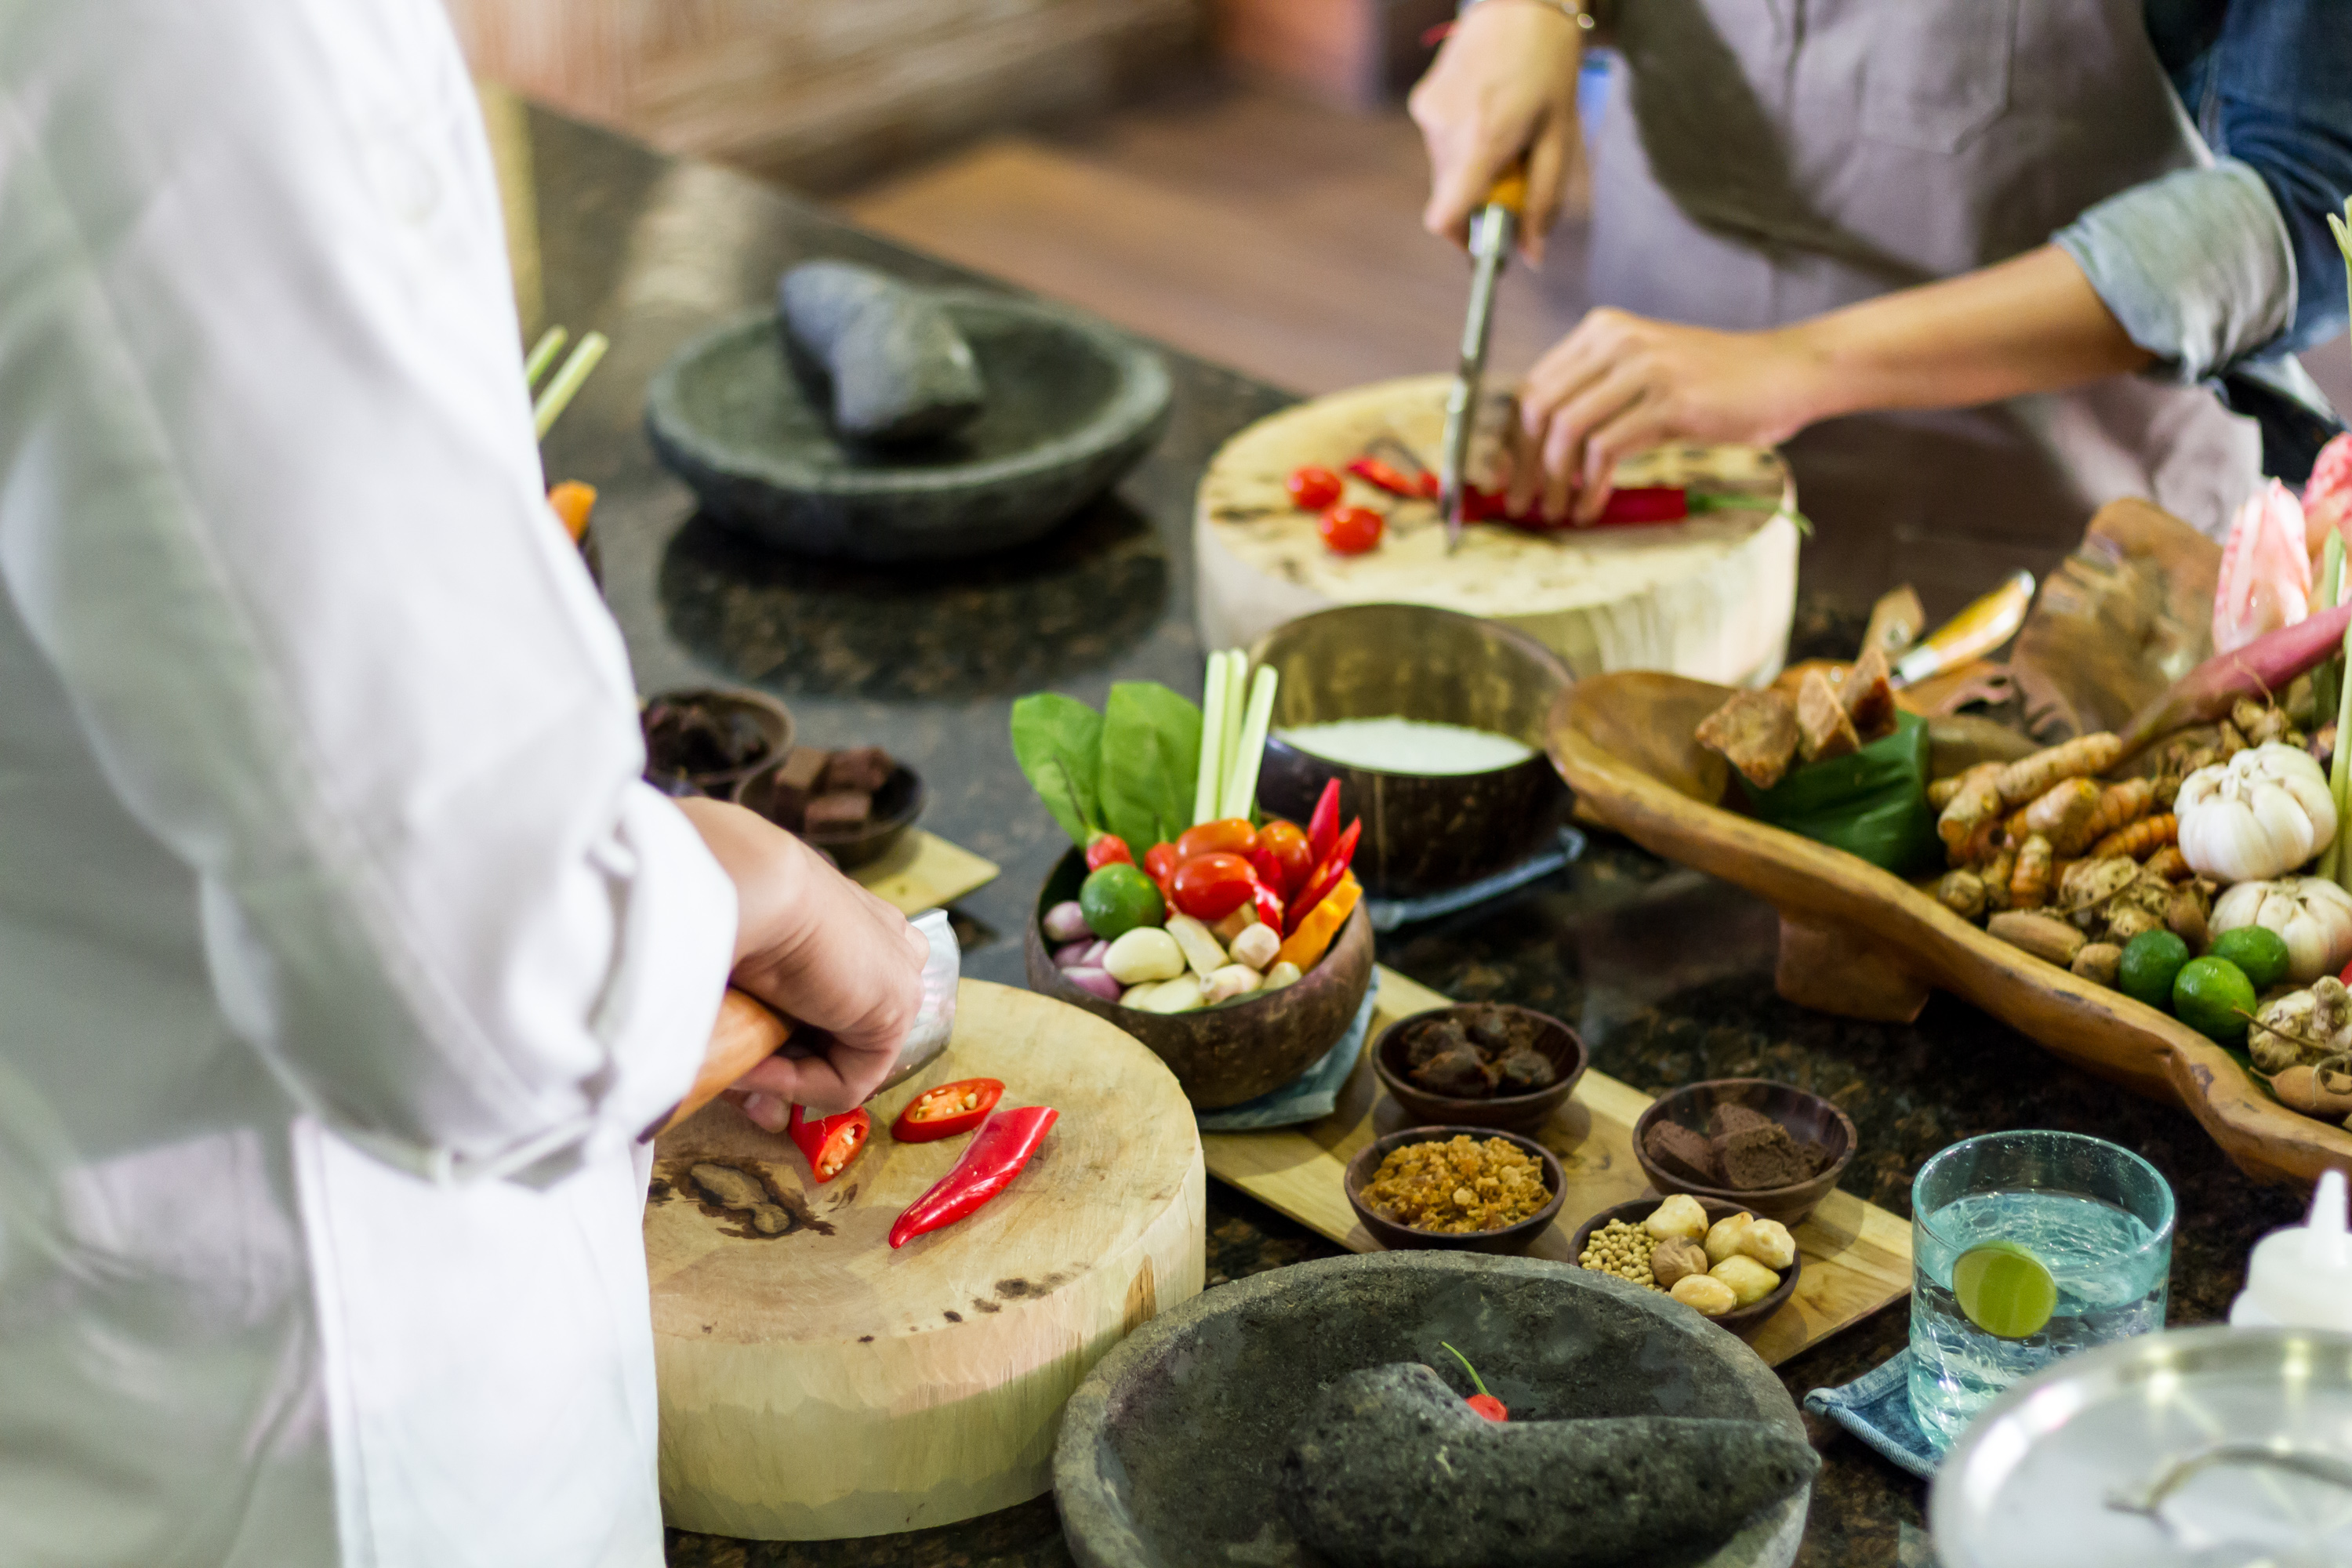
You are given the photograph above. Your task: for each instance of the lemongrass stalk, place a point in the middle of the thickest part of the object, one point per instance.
(1236, 709)
(1241, 779)
(542, 354)
(2334, 863)
(568, 380)
(2324, 679)
(1207, 788)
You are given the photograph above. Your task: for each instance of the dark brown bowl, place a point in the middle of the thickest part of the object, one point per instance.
(1742, 1321)
(1523, 1111)
(897, 804)
(1510, 1238)
(1233, 1053)
(1422, 834)
(775, 721)
(1807, 1117)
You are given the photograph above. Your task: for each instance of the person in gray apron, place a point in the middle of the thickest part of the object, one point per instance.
(1924, 244)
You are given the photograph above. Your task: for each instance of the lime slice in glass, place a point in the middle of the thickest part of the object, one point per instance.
(2004, 1289)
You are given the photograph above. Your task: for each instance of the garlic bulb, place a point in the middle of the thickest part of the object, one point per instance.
(2259, 814)
(2312, 915)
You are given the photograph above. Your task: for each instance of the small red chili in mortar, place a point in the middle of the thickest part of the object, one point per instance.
(951, 1109)
(830, 1142)
(1484, 1403)
(998, 1151)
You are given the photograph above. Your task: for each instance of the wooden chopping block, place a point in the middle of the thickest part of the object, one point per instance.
(1711, 598)
(815, 1384)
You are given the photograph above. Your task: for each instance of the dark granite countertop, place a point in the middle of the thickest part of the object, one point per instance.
(1667, 973)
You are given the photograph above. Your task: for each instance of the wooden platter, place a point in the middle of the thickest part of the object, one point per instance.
(815, 1383)
(1712, 597)
(1859, 941)
(924, 872)
(1857, 1255)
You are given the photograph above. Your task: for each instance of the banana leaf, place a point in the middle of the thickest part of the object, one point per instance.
(1872, 802)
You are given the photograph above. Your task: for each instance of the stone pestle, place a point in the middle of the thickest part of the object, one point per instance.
(900, 369)
(1390, 1468)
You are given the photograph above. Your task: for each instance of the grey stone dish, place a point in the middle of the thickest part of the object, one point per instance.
(1508, 1239)
(1071, 407)
(1170, 1450)
(1744, 1320)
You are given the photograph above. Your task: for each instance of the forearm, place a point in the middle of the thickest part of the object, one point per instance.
(2030, 324)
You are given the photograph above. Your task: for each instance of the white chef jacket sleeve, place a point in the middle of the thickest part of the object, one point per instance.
(271, 503)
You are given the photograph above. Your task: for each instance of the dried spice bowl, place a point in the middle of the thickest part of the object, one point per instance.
(1392, 1065)
(1808, 1118)
(1507, 1238)
(1741, 1320)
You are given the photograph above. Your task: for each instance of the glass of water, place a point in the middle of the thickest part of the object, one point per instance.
(2027, 1247)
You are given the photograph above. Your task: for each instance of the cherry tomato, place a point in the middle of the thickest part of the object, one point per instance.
(1351, 530)
(1312, 488)
(1283, 858)
(1106, 849)
(1232, 835)
(1211, 887)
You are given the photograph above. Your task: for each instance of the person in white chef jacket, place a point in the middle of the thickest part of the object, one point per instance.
(342, 955)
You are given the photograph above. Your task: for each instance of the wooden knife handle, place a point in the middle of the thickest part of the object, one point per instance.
(746, 1034)
(1510, 191)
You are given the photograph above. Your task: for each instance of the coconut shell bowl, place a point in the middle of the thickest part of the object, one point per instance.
(1231, 1053)
(686, 730)
(1479, 1025)
(1423, 833)
(1740, 1320)
(1698, 1109)
(1507, 1238)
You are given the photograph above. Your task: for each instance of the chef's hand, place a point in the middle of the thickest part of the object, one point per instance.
(1619, 384)
(821, 949)
(1503, 84)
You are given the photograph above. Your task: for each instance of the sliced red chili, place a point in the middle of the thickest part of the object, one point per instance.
(830, 1143)
(1327, 877)
(1393, 479)
(951, 1109)
(1323, 826)
(996, 1156)
(1267, 902)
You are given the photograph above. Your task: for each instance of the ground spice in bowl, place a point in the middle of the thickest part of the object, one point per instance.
(1461, 1185)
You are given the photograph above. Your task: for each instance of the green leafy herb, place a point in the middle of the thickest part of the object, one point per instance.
(1059, 741)
(1151, 760)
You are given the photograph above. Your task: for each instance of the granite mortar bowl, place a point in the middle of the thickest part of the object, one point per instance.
(1405, 1237)
(1808, 1117)
(775, 721)
(1743, 1321)
(1423, 833)
(1170, 1448)
(1071, 405)
(1522, 1112)
(897, 804)
(1227, 1055)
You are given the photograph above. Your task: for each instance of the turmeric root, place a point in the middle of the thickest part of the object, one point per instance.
(2029, 885)
(2061, 814)
(1940, 792)
(2029, 778)
(1963, 893)
(2142, 837)
(2120, 805)
(1977, 799)
(1996, 877)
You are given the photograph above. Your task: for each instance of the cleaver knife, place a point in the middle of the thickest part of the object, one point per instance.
(1492, 229)
(747, 1032)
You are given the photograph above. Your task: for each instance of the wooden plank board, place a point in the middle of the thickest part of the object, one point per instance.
(1857, 1255)
(924, 872)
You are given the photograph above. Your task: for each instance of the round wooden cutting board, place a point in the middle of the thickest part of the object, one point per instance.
(1710, 598)
(814, 1384)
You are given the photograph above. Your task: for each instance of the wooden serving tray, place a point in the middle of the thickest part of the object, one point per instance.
(1857, 1255)
(1859, 941)
(924, 872)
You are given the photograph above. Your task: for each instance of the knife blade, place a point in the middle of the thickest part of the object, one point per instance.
(1492, 230)
(1976, 631)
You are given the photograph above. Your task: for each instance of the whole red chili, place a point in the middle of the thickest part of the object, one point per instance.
(997, 1151)
(830, 1143)
(951, 1109)
(1484, 1403)
(1312, 488)
(1327, 877)
(1642, 504)
(1323, 826)
(1267, 902)
(1108, 849)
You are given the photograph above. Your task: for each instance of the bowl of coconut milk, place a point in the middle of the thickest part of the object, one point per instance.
(1433, 723)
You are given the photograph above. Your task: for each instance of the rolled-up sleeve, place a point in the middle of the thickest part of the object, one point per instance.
(271, 507)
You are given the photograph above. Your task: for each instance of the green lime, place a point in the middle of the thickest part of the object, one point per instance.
(2258, 949)
(1118, 898)
(2151, 961)
(2214, 996)
(2004, 1289)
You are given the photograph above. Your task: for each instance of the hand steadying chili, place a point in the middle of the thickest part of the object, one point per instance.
(997, 1151)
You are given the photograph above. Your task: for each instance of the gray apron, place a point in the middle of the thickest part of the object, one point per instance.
(1763, 161)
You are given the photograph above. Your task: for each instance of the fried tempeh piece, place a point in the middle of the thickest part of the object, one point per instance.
(2030, 778)
(1756, 731)
(1869, 696)
(1824, 730)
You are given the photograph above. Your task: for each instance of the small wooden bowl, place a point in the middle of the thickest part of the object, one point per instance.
(1509, 1238)
(1808, 1117)
(1742, 1321)
(1231, 1054)
(897, 804)
(1555, 1039)
(775, 721)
